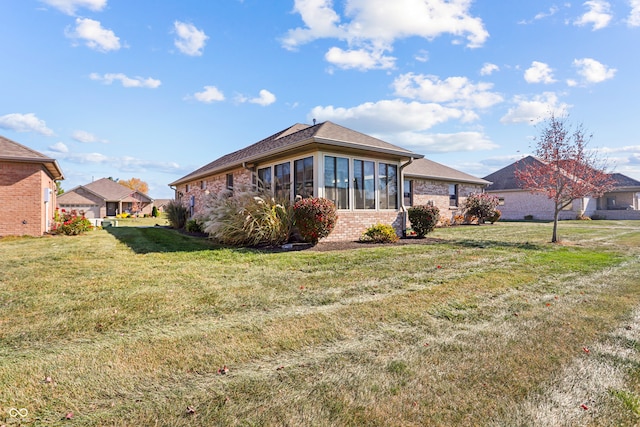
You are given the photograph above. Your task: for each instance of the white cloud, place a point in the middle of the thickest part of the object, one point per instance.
(593, 71)
(453, 91)
(598, 14)
(265, 98)
(488, 69)
(442, 142)
(374, 25)
(539, 72)
(388, 116)
(24, 123)
(209, 95)
(190, 40)
(422, 56)
(70, 6)
(634, 16)
(94, 36)
(109, 78)
(86, 137)
(360, 59)
(59, 147)
(533, 110)
(552, 11)
(121, 164)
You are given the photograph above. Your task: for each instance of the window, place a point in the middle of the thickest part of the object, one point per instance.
(303, 178)
(283, 181)
(500, 201)
(203, 185)
(188, 187)
(408, 192)
(336, 181)
(453, 195)
(230, 181)
(388, 181)
(192, 206)
(364, 190)
(264, 178)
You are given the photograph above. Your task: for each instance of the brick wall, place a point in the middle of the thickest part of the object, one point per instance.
(351, 224)
(437, 193)
(22, 207)
(202, 189)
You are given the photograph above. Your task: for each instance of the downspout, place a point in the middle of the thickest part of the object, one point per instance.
(403, 208)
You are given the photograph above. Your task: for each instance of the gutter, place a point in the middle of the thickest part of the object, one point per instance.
(403, 208)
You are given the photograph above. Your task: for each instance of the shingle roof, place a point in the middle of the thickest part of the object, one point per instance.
(12, 151)
(505, 179)
(106, 189)
(425, 168)
(296, 136)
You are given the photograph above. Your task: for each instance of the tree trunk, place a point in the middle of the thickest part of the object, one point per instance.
(554, 238)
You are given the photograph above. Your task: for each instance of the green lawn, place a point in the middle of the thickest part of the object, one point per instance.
(485, 325)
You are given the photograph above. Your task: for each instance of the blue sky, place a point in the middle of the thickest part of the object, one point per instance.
(154, 89)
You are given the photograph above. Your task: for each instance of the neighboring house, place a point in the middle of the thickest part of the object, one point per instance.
(27, 190)
(362, 175)
(161, 204)
(104, 198)
(622, 202)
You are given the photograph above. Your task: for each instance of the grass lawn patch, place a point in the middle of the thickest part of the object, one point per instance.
(145, 326)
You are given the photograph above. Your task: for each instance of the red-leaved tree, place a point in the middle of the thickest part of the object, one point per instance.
(563, 169)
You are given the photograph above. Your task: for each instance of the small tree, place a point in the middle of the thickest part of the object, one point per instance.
(480, 205)
(135, 184)
(564, 169)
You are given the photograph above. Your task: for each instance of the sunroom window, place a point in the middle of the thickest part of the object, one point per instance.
(364, 190)
(303, 178)
(282, 177)
(336, 181)
(388, 184)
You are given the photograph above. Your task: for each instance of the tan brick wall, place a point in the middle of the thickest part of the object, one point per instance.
(517, 204)
(212, 185)
(437, 193)
(22, 207)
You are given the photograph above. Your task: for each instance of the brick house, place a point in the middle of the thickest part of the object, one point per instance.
(105, 198)
(622, 202)
(362, 175)
(27, 190)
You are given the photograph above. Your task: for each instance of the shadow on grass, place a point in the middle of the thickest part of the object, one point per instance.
(144, 240)
(468, 243)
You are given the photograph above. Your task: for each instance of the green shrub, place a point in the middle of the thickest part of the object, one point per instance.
(528, 217)
(379, 233)
(495, 216)
(69, 223)
(194, 226)
(247, 217)
(177, 214)
(315, 218)
(480, 205)
(154, 212)
(423, 219)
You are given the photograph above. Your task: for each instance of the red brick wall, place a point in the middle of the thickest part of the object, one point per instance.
(22, 207)
(352, 224)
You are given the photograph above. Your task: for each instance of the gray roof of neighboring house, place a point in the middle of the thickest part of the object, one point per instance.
(105, 189)
(505, 179)
(12, 151)
(294, 137)
(428, 169)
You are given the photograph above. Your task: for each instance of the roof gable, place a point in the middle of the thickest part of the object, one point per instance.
(294, 137)
(425, 168)
(505, 178)
(12, 151)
